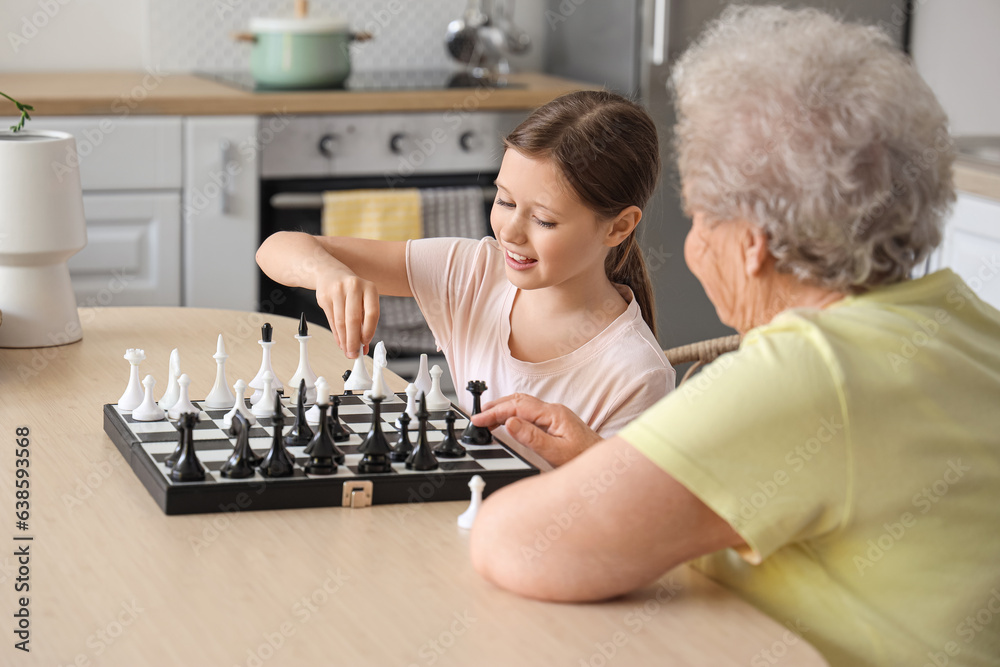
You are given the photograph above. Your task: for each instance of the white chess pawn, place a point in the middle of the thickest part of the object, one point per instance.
(183, 403)
(173, 389)
(476, 485)
(220, 396)
(268, 399)
(359, 379)
(148, 410)
(257, 383)
(436, 400)
(133, 395)
(304, 370)
(411, 404)
(239, 404)
(322, 398)
(423, 379)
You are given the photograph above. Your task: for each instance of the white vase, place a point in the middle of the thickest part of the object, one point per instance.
(41, 227)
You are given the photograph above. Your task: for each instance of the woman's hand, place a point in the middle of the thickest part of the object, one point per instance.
(552, 430)
(351, 307)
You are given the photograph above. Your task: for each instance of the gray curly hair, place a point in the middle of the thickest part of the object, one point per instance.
(820, 132)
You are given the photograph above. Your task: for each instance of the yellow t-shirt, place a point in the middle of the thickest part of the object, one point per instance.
(857, 451)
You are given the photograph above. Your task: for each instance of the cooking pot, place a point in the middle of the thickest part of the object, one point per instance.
(304, 52)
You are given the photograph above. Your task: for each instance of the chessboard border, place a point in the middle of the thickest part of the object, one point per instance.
(287, 493)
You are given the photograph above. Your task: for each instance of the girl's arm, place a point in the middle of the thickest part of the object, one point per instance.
(347, 273)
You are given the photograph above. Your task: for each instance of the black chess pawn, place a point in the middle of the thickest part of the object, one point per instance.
(476, 435)
(301, 433)
(422, 458)
(402, 448)
(323, 452)
(340, 434)
(450, 447)
(187, 468)
(242, 461)
(375, 447)
(277, 462)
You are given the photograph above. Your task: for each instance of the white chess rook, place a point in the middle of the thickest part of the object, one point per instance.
(133, 395)
(239, 404)
(173, 389)
(220, 396)
(148, 410)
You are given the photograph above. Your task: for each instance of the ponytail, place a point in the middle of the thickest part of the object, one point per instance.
(625, 265)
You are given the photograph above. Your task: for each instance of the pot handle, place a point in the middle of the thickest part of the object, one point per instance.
(361, 36)
(245, 37)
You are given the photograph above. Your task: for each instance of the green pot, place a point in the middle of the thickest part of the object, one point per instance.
(301, 52)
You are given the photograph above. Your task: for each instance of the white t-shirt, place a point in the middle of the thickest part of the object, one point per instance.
(462, 289)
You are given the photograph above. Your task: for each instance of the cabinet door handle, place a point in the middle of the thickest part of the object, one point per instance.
(226, 185)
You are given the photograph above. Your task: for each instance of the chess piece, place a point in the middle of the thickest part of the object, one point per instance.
(257, 383)
(345, 377)
(324, 455)
(423, 379)
(411, 403)
(243, 460)
(450, 447)
(300, 434)
(436, 400)
(422, 458)
(173, 389)
(322, 390)
(268, 399)
(358, 380)
(476, 485)
(220, 396)
(277, 462)
(133, 395)
(340, 433)
(187, 468)
(183, 403)
(375, 447)
(401, 450)
(304, 371)
(476, 435)
(239, 405)
(148, 410)
(378, 381)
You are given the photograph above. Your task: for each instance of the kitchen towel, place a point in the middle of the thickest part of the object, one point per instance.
(382, 214)
(456, 211)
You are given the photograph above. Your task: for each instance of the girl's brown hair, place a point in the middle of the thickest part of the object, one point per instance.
(607, 149)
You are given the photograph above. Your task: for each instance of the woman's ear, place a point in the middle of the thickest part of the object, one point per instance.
(755, 250)
(622, 226)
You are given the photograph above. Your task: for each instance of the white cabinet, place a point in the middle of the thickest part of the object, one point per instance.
(221, 211)
(130, 170)
(971, 246)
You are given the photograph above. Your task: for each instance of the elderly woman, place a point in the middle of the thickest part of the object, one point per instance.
(841, 470)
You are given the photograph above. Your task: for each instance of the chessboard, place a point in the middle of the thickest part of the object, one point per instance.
(145, 445)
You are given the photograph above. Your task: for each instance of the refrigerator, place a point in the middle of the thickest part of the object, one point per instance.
(629, 46)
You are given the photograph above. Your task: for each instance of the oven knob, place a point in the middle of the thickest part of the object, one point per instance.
(328, 145)
(397, 143)
(470, 141)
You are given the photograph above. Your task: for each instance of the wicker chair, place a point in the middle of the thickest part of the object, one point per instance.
(702, 352)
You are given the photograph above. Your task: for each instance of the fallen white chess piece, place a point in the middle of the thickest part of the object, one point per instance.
(465, 519)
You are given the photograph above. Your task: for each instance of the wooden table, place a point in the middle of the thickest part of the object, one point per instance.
(113, 581)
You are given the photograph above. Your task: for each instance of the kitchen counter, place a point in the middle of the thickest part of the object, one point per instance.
(151, 93)
(978, 178)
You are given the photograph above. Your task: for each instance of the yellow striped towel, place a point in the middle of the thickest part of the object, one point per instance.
(385, 215)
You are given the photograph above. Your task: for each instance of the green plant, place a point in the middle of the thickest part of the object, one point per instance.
(24, 109)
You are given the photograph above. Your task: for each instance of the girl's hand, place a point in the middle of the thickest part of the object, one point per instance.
(351, 307)
(552, 430)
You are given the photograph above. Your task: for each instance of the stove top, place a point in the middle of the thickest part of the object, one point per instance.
(370, 81)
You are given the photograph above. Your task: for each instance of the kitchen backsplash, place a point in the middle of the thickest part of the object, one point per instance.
(190, 35)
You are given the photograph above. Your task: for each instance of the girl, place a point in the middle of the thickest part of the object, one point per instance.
(558, 305)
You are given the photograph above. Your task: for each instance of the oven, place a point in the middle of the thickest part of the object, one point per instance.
(314, 154)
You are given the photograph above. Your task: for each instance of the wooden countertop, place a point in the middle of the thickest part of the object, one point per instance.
(977, 177)
(145, 93)
(114, 581)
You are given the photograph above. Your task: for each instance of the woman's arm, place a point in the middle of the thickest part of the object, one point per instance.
(606, 523)
(347, 273)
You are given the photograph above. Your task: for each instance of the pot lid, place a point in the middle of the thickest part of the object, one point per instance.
(294, 25)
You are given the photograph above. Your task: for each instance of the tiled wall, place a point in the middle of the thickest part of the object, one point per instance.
(196, 34)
